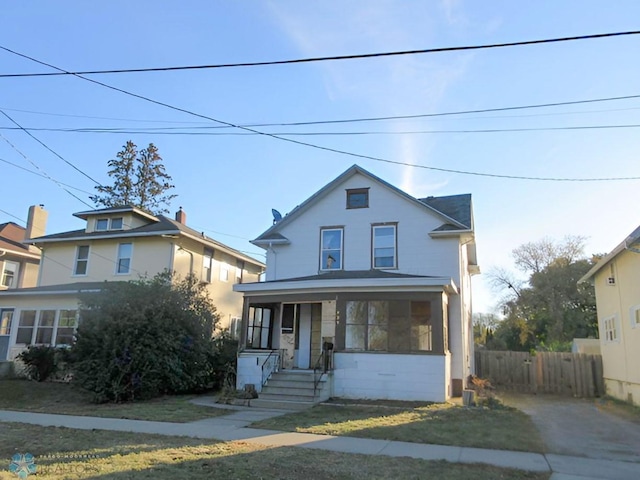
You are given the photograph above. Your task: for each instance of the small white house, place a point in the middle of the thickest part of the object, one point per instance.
(378, 275)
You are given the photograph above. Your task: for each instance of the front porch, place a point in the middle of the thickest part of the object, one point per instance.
(382, 345)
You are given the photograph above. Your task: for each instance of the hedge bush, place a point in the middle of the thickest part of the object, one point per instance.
(141, 339)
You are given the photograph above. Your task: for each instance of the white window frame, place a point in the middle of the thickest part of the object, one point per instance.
(634, 316)
(322, 249)
(5, 328)
(374, 228)
(207, 265)
(14, 278)
(119, 258)
(111, 227)
(32, 327)
(224, 272)
(106, 224)
(78, 260)
(611, 329)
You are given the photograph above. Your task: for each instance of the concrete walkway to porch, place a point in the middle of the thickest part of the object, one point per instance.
(235, 426)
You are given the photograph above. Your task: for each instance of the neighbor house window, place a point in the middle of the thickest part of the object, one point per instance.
(25, 326)
(207, 265)
(331, 249)
(66, 327)
(224, 272)
(44, 332)
(358, 198)
(123, 265)
(384, 246)
(10, 274)
(6, 315)
(116, 223)
(235, 326)
(239, 270)
(102, 224)
(610, 329)
(82, 260)
(259, 328)
(635, 316)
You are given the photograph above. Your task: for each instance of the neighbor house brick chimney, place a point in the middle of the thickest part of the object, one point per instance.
(36, 221)
(181, 216)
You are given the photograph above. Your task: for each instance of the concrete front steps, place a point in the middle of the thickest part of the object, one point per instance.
(292, 390)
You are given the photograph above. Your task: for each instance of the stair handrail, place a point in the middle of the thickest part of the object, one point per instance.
(270, 365)
(323, 365)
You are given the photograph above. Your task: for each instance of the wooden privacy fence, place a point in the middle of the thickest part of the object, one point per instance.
(575, 374)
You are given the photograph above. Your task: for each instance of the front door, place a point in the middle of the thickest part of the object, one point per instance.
(6, 315)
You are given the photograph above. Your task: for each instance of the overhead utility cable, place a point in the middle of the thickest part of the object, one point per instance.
(320, 147)
(328, 58)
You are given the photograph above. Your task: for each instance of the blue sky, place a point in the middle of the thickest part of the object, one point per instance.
(228, 184)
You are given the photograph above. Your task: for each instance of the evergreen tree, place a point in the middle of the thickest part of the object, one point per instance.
(139, 180)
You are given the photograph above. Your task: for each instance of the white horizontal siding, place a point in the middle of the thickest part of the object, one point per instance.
(391, 377)
(418, 253)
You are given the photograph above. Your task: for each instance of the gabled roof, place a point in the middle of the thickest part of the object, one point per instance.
(158, 226)
(11, 237)
(632, 242)
(454, 206)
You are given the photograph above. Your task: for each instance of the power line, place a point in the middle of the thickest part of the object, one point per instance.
(21, 220)
(320, 134)
(47, 147)
(45, 174)
(373, 119)
(326, 58)
(320, 147)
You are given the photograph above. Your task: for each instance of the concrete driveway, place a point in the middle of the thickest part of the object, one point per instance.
(593, 428)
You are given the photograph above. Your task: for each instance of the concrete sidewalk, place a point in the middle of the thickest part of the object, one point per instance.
(235, 427)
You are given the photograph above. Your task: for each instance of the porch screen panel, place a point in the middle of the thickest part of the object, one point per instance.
(25, 326)
(378, 322)
(44, 334)
(421, 326)
(357, 314)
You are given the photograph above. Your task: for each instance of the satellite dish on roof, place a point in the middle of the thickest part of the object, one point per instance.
(277, 216)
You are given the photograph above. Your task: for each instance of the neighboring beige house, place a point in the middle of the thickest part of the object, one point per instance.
(119, 244)
(617, 282)
(18, 263)
(373, 274)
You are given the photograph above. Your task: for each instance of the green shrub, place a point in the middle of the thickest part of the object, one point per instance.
(141, 339)
(40, 361)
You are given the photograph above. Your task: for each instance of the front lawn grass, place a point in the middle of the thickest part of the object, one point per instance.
(502, 428)
(82, 454)
(66, 399)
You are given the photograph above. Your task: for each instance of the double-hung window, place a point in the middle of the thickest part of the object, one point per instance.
(10, 274)
(44, 333)
(82, 260)
(610, 326)
(102, 224)
(66, 327)
(384, 246)
(25, 326)
(331, 248)
(207, 265)
(116, 223)
(123, 264)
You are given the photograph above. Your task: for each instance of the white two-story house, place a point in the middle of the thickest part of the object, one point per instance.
(117, 244)
(378, 275)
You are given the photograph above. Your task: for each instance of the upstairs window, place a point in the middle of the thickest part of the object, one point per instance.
(82, 260)
(224, 272)
(10, 274)
(384, 246)
(102, 224)
(331, 249)
(358, 198)
(207, 265)
(123, 265)
(116, 223)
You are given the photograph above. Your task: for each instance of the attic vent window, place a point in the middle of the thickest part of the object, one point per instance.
(358, 198)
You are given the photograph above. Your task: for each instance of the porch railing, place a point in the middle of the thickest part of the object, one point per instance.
(323, 364)
(270, 365)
